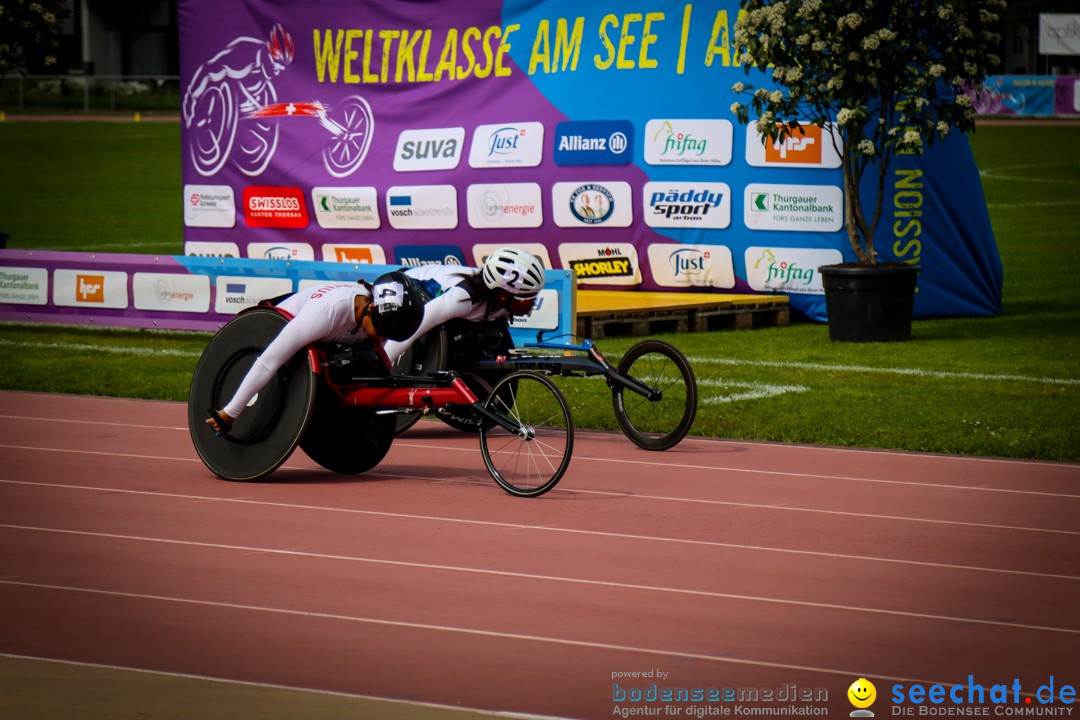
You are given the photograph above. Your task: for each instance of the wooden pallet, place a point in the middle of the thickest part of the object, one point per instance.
(602, 313)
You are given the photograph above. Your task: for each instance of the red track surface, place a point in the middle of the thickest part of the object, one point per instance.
(722, 564)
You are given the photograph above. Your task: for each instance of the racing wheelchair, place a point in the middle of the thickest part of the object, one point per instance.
(653, 388)
(338, 405)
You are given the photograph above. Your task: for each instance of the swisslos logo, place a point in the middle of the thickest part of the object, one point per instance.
(281, 207)
(431, 149)
(594, 142)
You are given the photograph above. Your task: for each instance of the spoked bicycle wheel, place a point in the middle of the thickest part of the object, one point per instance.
(532, 460)
(656, 424)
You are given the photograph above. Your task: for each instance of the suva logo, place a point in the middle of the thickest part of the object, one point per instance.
(434, 149)
(593, 142)
(592, 203)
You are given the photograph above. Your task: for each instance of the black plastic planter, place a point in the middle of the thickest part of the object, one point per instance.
(869, 303)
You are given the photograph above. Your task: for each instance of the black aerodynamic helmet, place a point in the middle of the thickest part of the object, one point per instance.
(397, 306)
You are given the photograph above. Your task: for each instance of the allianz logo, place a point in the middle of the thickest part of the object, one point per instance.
(616, 143)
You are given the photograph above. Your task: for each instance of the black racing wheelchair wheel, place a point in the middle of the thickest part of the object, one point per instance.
(530, 461)
(346, 439)
(271, 426)
(656, 424)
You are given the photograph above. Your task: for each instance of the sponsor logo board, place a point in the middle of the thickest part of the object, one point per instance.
(681, 266)
(170, 292)
(429, 149)
(788, 270)
(274, 206)
(24, 286)
(811, 148)
(422, 207)
(683, 204)
(504, 205)
(280, 251)
(592, 204)
(545, 314)
(90, 288)
(234, 293)
(360, 254)
(211, 249)
(507, 145)
(802, 208)
(594, 142)
(352, 208)
(417, 255)
(209, 206)
(482, 250)
(688, 142)
(601, 264)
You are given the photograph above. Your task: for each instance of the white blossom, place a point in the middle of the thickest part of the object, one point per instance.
(738, 87)
(936, 70)
(866, 147)
(776, 96)
(736, 107)
(844, 116)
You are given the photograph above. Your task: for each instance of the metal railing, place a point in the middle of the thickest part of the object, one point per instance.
(90, 93)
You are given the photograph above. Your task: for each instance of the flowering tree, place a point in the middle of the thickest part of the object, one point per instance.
(888, 75)
(28, 33)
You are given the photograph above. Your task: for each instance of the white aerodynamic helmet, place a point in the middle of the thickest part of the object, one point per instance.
(516, 271)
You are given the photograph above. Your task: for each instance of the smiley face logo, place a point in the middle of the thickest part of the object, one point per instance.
(862, 693)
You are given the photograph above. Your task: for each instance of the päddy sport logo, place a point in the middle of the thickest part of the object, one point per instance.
(592, 203)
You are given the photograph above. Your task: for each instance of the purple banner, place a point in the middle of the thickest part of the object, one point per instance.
(1067, 95)
(594, 135)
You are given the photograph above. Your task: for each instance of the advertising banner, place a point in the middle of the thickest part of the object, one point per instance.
(600, 134)
(1016, 95)
(1059, 34)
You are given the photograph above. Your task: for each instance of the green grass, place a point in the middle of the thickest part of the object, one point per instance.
(1007, 385)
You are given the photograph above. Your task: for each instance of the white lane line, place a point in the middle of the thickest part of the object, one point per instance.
(95, 422)
(547, 528)
(488, 633)
(276, 686)
(916, 372)
(753, 391)
(551, 578)
(87, 347)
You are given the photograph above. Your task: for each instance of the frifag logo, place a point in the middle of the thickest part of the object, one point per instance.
(280, 207)
(90, 288)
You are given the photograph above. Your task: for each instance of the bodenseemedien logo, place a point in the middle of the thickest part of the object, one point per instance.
(862, 695)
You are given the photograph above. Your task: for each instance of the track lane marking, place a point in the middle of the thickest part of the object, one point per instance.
(549, 528)
(491, 634)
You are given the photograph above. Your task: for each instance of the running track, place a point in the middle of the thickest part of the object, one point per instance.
(723, 564)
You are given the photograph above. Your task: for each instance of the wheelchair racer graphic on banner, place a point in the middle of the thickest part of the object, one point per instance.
(230, 109)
